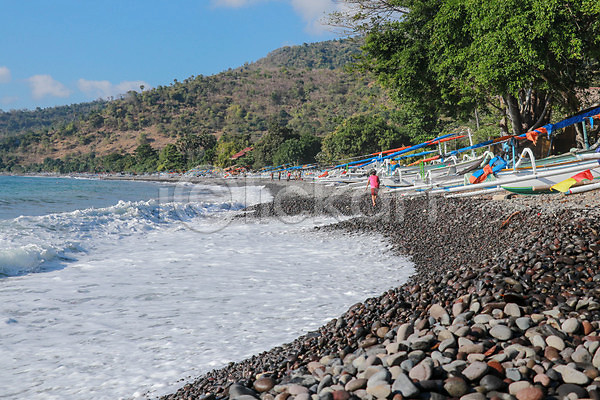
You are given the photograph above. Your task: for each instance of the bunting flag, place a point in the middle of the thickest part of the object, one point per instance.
(565, 185)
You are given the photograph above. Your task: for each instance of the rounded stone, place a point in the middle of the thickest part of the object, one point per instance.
(542, 379)
(556, 342)
(475, 371)
(491, 382)
(564, 390)
(530, 393)
(264, 384)
(341, 395)
(421, 372)
(456, 387)
(501, 332)
(355, 384)
(571, 325)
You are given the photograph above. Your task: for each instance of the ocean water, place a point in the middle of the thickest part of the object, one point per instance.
(127, 290)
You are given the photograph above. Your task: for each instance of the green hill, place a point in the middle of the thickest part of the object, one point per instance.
(303, 88)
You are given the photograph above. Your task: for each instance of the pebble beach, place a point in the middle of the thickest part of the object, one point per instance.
(504, 304)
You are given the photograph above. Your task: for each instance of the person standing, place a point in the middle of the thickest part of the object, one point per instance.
(373, 181)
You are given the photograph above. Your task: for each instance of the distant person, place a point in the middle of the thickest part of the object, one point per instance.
(289, 175)
(373, 181)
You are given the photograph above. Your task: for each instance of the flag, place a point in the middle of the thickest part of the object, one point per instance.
(565, 185)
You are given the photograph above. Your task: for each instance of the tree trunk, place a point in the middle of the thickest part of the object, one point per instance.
(514, 114)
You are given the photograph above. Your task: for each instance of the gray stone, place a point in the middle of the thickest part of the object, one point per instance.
(473, 396)
(380, 391)
(404, 386)
(513, 310)
(355, 384)
(325, 382)
(456, 386)
(421, 372)
(475, 371)
(555, 342)
(596, 358)
(581, 355)
(236, 391)
(491, 382)
(380, 376)
(564, 390)
(571, 375)
(404, 331)
(454, 365)
(524, 323)
(571, 325)
(501, 332)
(448, 343)
(513, 374)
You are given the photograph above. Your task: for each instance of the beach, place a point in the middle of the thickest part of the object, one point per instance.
(503, 305)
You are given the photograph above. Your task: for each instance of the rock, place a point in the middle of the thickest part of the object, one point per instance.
(530, 393)
(570, 325)
(264, 384)
(355, 384)
(581, 355)
(501, 332)
(437, 312)
(314, 365)
(404, 386)
(555, 342)
(491, 382)
(475, 371)
(513, 310)
(513, 374)
(524, 323)
(421, 371)
(516, 387)
(542, 379)
(340, 395)
(473, 396)
(404, 331)
(551, 353)
(295, 389)
(236, 391)
(379, 391)
(565, 389)
(571, 375)
(456, 387)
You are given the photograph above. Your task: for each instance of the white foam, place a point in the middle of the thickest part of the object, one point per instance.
(151, 302)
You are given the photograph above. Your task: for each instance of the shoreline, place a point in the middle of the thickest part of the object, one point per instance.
(503, 304)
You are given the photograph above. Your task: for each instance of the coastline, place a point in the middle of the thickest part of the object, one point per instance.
(503, 304)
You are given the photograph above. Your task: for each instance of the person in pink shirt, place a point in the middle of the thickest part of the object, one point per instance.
(373, 181)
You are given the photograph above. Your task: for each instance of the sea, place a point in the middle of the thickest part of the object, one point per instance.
(114, 289)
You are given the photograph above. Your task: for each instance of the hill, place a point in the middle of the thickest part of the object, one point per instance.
(304, 88)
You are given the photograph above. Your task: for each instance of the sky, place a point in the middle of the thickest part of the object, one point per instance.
(60, 52)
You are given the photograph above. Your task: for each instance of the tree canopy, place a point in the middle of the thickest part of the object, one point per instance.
(519, 58)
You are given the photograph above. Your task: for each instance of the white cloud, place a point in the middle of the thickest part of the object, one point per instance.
(106, 89)
(45, 85)
(315, 12)
(8, 100)
(233, 3)
(4, 75)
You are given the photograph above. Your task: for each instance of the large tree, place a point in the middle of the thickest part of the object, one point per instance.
(522, 58)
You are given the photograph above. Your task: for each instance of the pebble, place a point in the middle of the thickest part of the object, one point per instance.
(518, 321)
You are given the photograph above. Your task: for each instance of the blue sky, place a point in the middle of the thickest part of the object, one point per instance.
(57, 52)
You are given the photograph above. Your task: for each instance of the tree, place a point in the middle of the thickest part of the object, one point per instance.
(171, 159)
(517, 57)
(146, 158)
(265, 148)
(361, 135)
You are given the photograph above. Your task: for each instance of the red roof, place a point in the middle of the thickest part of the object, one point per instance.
(241, 153)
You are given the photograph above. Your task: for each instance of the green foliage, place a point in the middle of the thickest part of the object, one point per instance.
(363, 134)
(146, 158)
(297, 151)
(515, 56)
(171, 159)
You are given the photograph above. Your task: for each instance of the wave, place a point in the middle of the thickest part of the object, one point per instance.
(30, 244)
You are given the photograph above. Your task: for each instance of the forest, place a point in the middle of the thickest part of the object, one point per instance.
(412, 71)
